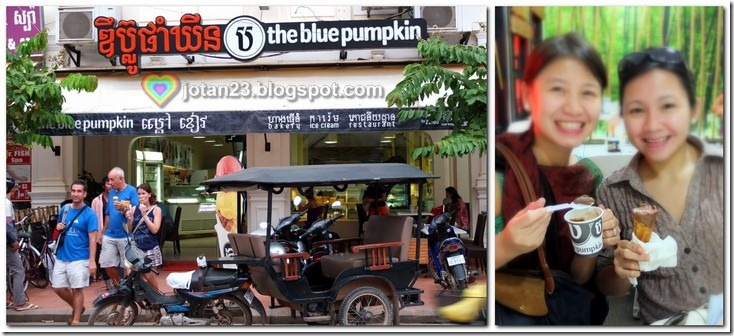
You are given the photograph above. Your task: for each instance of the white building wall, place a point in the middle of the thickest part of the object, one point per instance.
(120, 92)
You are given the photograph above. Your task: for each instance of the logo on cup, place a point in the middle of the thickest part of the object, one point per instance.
(586, 228)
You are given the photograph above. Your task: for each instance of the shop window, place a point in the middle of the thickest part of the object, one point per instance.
(174, 166)
(373, 147)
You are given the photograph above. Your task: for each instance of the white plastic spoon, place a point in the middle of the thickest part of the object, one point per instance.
(563, 206)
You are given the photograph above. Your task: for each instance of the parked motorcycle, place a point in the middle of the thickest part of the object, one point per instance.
(293, 238)
(287, 231)
(319, 231)
(446, 261)
(214, 296)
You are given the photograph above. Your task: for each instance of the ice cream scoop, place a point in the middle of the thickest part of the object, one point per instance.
(644, 218)
(584, 199)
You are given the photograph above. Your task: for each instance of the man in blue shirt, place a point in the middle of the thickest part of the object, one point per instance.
(112, 235)
(75, 258)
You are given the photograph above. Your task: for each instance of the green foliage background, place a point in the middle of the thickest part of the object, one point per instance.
(34, 98)
(461, 96)
(617, 31)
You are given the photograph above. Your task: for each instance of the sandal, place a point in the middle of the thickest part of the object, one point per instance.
(27, 306)
(10, 305)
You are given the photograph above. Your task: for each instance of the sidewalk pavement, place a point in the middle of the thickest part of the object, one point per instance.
(53, 309)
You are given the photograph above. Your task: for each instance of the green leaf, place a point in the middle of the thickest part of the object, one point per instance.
(33, 97)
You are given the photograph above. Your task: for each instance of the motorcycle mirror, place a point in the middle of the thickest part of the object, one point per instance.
(297, 201)
(336, 205)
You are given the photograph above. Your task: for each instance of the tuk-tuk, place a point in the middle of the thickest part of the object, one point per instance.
(367, 282)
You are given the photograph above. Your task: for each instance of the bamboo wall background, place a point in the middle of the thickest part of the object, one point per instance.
(698, 32)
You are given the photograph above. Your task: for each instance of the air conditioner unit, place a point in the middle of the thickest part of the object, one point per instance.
(438, 17)
(75, 24)
(452, 18)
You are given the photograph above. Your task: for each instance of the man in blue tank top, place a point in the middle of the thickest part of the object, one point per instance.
(123, 197)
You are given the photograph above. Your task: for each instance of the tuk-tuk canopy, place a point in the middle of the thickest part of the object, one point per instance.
(337, 175)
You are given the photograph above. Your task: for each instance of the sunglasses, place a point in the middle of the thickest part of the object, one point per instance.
(665, 55)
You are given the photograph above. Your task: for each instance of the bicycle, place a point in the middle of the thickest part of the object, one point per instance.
(34, 262)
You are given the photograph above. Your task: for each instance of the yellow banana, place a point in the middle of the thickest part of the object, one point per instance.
(468, 308)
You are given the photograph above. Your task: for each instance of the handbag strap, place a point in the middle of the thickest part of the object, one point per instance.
(528, 194)
(73, 219)
(142, 220)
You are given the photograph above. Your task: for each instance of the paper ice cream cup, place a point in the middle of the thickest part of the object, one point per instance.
(585, 225)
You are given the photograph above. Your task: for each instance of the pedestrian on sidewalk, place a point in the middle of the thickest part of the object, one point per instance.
(12, 257)
(99, 204)
(113, 237)
(76, 251)
(144, 222)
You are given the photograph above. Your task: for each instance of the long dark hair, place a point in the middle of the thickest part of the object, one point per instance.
(454, 194)
(148, 189)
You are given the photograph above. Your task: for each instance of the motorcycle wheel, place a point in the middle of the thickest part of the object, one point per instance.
(432, 269)
(114, 313)
(231, 311)
(366, 306)
(459, 272)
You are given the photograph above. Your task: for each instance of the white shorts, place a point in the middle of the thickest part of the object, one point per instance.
(113, 252)
(70, 274)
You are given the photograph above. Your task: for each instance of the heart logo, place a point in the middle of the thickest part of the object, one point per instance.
(161, 88)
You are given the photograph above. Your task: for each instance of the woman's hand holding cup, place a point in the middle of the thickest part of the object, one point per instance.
(610, 228)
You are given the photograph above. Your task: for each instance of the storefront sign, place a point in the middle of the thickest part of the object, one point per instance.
(245, 37)
(242, 122)
(18, 166)
(23, 22)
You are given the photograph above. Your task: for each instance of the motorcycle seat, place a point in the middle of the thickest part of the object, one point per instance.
(207, 277)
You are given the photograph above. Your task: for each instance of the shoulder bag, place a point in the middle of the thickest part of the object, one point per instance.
(133, 253)
(520, 290)
(538, 297)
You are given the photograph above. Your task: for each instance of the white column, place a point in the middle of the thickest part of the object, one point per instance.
(52, 174)
(257, 200)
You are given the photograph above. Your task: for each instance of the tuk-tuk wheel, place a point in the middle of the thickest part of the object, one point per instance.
(366, 306)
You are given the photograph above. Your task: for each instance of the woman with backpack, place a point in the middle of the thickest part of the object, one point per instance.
(144, 223)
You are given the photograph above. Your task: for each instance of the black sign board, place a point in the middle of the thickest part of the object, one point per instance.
(245, 37)
(242, 122)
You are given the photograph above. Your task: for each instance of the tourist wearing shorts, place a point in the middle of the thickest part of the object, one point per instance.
(75, 258)
(144, 222)
(113, 236)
